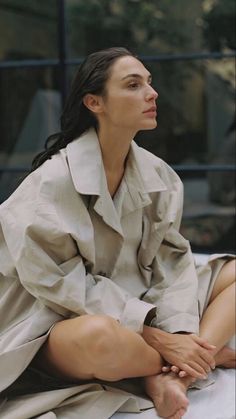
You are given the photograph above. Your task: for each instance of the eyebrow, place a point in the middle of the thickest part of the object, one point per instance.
(137, 76)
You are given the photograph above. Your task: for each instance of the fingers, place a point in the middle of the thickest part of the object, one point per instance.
(194, 370)
(199, 369)
(175, 369)
(205, 354)
(208, 358)
(179, 372)
(203, 342)
(166, 368)
(205, 367)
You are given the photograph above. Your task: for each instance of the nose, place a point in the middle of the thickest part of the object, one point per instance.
(151, 93)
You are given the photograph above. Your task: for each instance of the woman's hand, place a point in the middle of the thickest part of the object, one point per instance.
(189, 353)
(174, 369)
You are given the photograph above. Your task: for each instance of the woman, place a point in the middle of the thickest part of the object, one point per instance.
(100, 284)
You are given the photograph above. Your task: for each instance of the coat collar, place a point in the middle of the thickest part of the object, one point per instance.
(85, 163)
(88, 175)
(87, 170)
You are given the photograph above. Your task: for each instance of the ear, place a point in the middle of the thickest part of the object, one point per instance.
(93, 103)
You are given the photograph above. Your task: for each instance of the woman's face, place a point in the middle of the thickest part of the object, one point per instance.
(130, 100)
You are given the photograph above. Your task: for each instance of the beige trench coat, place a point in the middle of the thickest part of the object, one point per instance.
(67, 248)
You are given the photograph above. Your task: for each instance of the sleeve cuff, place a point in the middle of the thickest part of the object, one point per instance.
(179, 323)
(134, 314)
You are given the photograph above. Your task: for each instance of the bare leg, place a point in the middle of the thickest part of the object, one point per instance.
(218, 322)
(226, 358)
(90, 347)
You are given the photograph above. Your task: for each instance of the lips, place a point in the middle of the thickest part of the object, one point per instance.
(152, 109)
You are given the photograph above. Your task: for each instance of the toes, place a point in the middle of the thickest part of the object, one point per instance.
(175, 416)
(178, 415)
(166, 369)
(182, 412)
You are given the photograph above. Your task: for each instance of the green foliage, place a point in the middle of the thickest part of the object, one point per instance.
(148, 26)
(220, 25)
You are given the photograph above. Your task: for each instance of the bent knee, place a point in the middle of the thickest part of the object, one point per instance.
(92, 332)
(228, 272)
(225, 279)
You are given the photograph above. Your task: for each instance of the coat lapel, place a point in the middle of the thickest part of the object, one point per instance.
(88, 175)
(141, 179)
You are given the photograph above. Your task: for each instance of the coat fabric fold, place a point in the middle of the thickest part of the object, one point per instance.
(67, 249)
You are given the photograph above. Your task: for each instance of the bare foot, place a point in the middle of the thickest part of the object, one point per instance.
(226, 358)
(168, 393)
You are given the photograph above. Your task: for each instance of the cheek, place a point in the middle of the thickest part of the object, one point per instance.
(123, 106)
(131, 105)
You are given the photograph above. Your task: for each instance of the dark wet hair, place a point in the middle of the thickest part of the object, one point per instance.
(76, 118)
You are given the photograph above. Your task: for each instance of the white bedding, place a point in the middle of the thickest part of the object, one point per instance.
(214, 402)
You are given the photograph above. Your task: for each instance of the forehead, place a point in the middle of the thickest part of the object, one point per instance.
(126, 66)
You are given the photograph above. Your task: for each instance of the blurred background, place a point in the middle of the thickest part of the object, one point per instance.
(190, 49)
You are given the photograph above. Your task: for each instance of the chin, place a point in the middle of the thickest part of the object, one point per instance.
(150, 125)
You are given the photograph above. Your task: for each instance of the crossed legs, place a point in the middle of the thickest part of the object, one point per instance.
(89, 347)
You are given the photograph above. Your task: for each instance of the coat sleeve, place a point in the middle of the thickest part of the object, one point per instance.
(51, 268)
(174, 286)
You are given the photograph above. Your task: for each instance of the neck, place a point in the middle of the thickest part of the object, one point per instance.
(115, 146)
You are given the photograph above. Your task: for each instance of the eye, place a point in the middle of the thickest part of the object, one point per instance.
(134, 85)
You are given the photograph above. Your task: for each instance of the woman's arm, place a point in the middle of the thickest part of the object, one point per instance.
(51, 268)
(167, 255)
(174, 284)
